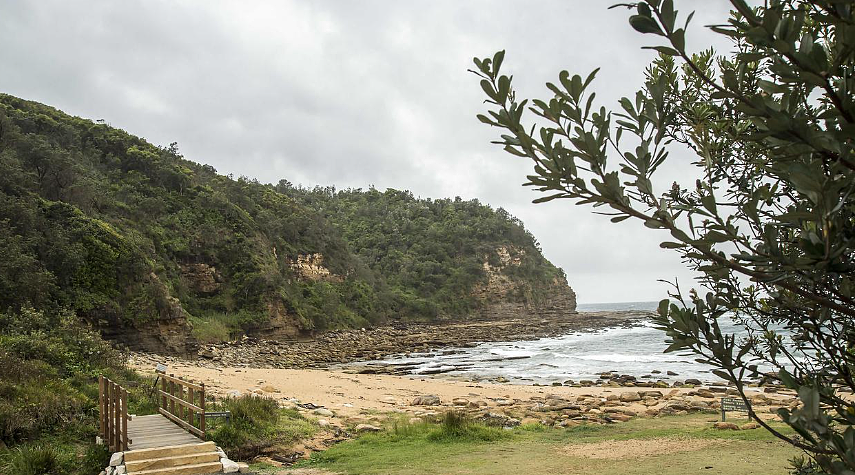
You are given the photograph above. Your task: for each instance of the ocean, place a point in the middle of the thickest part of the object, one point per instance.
(636, 351)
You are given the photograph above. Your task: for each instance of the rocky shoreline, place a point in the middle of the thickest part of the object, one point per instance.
(339, 347)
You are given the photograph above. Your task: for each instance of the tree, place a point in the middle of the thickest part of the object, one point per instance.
(769, 225)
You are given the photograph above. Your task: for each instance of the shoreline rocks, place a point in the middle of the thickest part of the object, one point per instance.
(343, 347)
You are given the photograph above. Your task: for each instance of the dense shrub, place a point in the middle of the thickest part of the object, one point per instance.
(257, 423)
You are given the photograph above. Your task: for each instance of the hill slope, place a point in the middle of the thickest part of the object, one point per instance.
(146, 245)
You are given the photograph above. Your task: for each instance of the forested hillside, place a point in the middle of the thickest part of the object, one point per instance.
(433, 253)
(147, 245)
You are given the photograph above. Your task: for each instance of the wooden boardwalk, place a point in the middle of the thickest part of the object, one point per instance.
(147, 432)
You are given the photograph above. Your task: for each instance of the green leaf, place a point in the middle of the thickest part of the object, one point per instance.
(497, 61)
(644, 24)
(663, 49)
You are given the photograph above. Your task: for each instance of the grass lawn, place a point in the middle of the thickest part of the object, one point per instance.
(668, 445)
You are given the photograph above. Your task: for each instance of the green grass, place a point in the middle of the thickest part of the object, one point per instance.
(218, 327)
(417, 449)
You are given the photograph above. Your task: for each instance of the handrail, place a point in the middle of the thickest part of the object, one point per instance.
(175, 391)
(113, 414)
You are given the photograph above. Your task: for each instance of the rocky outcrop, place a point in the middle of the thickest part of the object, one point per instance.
(311, 267)
(201, 278)
(280, 324)
(506, 296)
(159, 324)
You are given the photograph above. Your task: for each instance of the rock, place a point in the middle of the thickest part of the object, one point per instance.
(416, 420)
(693, 381)
(323, 412)
(269, 389)
(671, 373)
(619, 417)
(653, 394)
(704, 393)
(500, 420)
(726, 426)
(459, 401)
(428, 400)
(120, 470)
(323, 423)
(630, 396)
(116, 459)
(367, 428)
(749, 426)
(230, 466)
(243, 468)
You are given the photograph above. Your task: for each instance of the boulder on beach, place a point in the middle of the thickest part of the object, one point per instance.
(427, 400)
(630, 396)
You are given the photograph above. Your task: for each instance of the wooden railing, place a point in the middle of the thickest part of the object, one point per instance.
(177, 400)
(113, 414)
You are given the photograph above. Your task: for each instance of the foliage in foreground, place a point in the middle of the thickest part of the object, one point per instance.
(769, 224)
(49, 365)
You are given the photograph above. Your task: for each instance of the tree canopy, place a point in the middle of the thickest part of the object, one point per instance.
(768, 223)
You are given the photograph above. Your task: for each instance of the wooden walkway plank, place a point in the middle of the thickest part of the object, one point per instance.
(147, 432)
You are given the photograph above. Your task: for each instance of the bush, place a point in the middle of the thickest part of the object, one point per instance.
(252, 428)
(32, 460)
(456, 426)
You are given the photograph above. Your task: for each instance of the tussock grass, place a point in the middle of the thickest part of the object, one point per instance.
(256, 424)
(456, 427)
(32, 460)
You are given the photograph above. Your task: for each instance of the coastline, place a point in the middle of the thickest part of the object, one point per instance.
(340, 347)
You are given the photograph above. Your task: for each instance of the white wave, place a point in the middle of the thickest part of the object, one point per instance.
(622, 358)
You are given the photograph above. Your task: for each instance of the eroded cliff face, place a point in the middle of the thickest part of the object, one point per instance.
(311, 267)
(160, 324)
(507, 295)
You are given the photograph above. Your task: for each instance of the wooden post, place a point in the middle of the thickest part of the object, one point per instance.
(110, 434)
(117, 411)
(163, 395)
(101, 425)
(191, 396)
(124, 420)
(172, 393)
(202, 415)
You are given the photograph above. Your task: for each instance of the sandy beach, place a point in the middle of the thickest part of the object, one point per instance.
(351, 395)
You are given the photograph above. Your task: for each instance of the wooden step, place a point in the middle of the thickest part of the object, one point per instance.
(175, 461)
(195, 469)
(169, 451)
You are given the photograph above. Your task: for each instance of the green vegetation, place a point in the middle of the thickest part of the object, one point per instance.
(768, 224)
(673, 445)
(122, 233)
(257, 424)
(431, 252)
(49, 393)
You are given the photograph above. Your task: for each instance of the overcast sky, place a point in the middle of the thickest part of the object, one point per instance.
(352, 94)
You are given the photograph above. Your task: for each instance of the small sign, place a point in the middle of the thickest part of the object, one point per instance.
(732, 404)
(161, 368)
